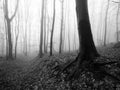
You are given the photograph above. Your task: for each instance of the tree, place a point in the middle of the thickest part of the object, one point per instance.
(52, 31)
(117, 20)
(17, 35)
(48, 31)
(69, 30)
(45, 28)
(106, 16)
(61, 31)
(41, 34)
(85, 61)
(8, 24)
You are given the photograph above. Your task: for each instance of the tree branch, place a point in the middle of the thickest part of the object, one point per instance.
(15, 11)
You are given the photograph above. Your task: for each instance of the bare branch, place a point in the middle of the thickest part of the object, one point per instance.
(15, 11)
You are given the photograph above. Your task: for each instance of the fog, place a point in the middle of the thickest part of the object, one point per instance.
(27, 22)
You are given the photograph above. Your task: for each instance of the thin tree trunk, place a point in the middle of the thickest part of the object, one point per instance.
(117, 24)
(17, 36)
(45, 30)
(41, 34)
(53, 25)
(61, 31)
(10, 56)
(48, 27)
(106, 16)
(8, 24)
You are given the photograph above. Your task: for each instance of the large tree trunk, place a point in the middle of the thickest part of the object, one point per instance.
(88, 53)
(87, 46)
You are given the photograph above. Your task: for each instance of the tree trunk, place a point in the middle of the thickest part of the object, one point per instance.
(41, 34)
(85, 61)
(106, 16)
(8, 25)
(16, 36)
(117, 22)
(61, 31)
(10, 56)
(87, 47)
(51, 38)
(45, 29)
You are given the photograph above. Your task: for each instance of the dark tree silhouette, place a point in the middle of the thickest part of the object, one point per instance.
(52, 31)
(8, 25)
(41, 33)
(45, 28)
(61, 31)
(85, 61)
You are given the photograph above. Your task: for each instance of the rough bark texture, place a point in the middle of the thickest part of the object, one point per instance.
(87, 47)
(85, 35)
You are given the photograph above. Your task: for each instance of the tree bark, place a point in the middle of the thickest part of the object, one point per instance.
(10, 53)
(87, 45)
(117, 22)
(61, 31)
(88, 50)
(53, 24)
(16, 35)
(85, 61)
(41, 34)
(8, 25)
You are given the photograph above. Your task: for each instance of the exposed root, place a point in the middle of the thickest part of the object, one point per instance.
(83, 64)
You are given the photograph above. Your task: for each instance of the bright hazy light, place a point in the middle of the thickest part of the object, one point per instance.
(29, 13)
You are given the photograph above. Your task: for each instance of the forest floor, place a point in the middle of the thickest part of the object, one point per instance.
(37, 74)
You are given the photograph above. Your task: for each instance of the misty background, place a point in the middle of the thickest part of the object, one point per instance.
(27, 25)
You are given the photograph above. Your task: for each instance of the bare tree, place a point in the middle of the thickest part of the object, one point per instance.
(52, 31)
(45, 28)
(117, 20)
(61, 31)
(8, 24)
(17, 35)
(48, 31)
(25, 37)
(69, 30)
(41, 34)
(106, 16)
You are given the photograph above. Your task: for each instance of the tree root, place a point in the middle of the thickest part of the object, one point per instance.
(96, 68)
